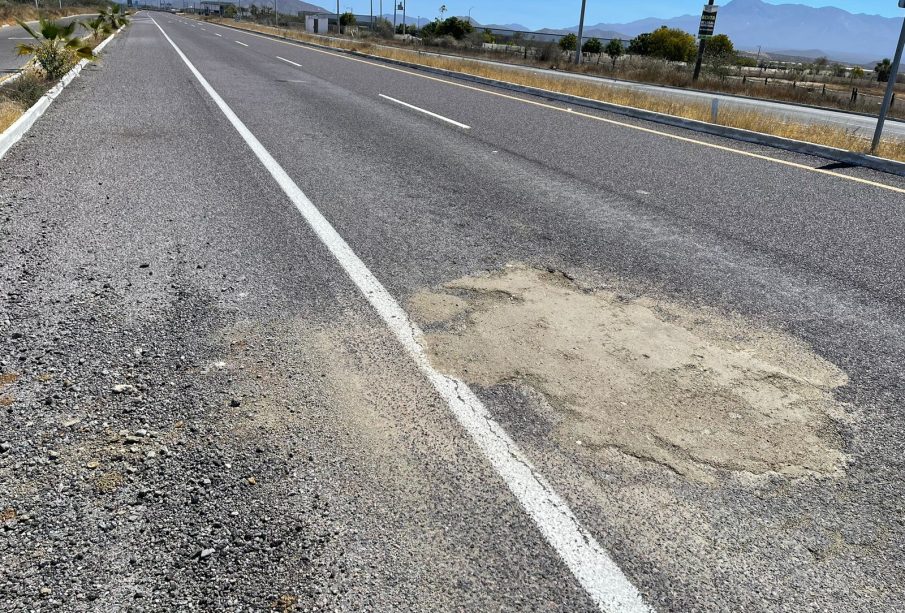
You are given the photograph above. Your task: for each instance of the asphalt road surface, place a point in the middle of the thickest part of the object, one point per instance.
(861, 124)
(659, 371)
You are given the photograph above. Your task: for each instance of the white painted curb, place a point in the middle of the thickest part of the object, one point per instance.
(15, 132)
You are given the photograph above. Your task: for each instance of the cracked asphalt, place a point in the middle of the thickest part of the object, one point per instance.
(200, 411)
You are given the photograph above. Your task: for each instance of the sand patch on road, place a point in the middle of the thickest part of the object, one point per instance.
(692, 389)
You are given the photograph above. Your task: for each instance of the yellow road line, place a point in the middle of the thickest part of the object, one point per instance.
(552, 107)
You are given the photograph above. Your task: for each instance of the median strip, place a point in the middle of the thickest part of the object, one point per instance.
(20, 126)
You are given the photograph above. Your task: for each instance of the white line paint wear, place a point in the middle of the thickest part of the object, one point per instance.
(289, 61)
(220, 35)
(604, 581)
(426, 112)
(241, 43)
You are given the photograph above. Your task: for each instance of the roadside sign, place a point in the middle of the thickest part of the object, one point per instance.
(708, 21)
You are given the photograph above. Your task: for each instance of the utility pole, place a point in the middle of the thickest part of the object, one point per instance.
(339, 28)
(394, 16)
(580, 32)
(403, 18)
(276, 14)
(708, 23)
(890, 88)
(371, 24)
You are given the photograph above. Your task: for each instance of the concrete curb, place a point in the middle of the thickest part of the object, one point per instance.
(15, 132)
(777, 142)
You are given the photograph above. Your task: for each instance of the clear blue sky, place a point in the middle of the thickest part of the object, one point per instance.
(560, 13)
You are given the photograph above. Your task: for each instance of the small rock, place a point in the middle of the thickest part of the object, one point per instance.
(205, 553)
(4, 447)
(45, 591)
(123, 388)
(235, 402)
(142, 433)
(252, 481)
(92, 464)
(53, 455)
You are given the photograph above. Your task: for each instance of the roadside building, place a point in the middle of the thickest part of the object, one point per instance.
(214, 7)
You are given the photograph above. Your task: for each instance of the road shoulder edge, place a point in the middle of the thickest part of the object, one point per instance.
(14, 133)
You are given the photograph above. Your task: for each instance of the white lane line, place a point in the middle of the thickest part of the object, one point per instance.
(592, 566)
(220, 35)
(289, 61)
(241, 43)
(426, 112)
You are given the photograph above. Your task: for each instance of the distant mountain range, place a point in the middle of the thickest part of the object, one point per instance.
(790, 29)
(786, 29)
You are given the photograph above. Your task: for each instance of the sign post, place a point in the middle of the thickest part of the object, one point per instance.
(580, 33)
(890, 88)
(708, 25)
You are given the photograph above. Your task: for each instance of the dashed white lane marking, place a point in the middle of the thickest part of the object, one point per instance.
(240, 43)
(289, 61)
(220, 35)
(426, 112)
(592, 566)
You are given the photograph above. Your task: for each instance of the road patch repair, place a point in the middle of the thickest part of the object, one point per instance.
(691, 389)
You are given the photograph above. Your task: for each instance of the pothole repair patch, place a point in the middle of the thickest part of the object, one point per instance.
(692, 389)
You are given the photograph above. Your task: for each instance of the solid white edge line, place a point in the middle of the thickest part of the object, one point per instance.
(14, 133)
(426, 112)
(591, 565)
(240, 42)
(289, 61)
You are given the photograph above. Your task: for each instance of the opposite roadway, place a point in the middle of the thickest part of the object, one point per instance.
(212, 410)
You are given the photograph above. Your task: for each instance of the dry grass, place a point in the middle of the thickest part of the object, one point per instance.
(9, 113)
(27, 12)
(755, 121)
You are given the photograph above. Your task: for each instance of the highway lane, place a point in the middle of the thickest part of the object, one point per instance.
(423, 201)
(790, 112)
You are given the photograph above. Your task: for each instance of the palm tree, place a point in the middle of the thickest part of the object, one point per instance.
(115, 16)
(97, 26)
(57, 49)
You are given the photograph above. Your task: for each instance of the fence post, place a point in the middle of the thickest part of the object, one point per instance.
(714, 110)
